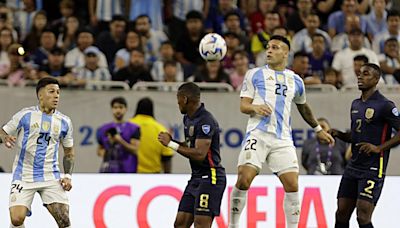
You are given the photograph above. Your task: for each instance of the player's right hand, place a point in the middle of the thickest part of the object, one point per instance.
(9, 141)
(164, 138)
(324, 137)
(262, 110)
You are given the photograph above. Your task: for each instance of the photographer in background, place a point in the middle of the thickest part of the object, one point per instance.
(322, 159)
(118, 141)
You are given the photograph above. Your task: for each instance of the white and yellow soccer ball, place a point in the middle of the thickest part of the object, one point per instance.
(212, 47)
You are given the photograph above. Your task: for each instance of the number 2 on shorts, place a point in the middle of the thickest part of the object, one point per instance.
(370, 187)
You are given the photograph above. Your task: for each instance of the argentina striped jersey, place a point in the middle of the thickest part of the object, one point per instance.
(38, 138)
(277, 89)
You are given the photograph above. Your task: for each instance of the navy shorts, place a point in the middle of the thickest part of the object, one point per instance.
(203, 198)
(358, 184)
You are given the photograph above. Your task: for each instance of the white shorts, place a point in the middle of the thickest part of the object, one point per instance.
(22, 193)
(259, 146)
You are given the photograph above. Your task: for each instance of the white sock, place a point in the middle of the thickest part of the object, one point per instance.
(238, 201)
(21, 226)
(291, 206)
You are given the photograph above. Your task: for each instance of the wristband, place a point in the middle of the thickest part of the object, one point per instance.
(318, 128)
(67, 175)
(173, 145)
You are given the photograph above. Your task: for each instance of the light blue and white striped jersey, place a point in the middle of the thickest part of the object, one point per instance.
(38, 139)
(152, 8)
(277, 89)
(106, 9)
(182, 7)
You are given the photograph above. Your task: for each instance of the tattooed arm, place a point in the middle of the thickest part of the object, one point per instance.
(68, 163)
(306, 113)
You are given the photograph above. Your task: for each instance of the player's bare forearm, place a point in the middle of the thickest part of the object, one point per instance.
(306, 113)
(199, 152)
(167, 166)
(394, 141)
(69, 160)
(246, 106)
(131, 147)
(344, 136)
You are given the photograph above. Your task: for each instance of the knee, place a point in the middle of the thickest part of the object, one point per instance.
(64, 222)
(291, 186)
(17, 220)
(363, 217)
(179, 224)
(342, 215)
(201, 223)
(243, 182)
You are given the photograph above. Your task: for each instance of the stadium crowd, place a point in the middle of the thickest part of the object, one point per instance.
(142, 40)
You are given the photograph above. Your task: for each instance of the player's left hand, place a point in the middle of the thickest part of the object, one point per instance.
(368, 148)
(324, 137)
(66, 183)
(117, 138)
(164, 138)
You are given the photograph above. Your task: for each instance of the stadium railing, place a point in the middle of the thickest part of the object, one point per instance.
(173, 86)
(321, 88)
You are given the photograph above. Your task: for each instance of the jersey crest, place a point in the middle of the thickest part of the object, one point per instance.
(206, 129)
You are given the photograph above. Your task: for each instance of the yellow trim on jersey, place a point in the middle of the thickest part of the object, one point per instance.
(380, 167)
(213, 176)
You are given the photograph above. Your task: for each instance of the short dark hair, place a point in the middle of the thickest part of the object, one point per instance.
(143, 16)
(194, 14)
(145, 107)
(391, 39)
(281, 38)
(119, 100)
(190, 89)
(323, 119)
(169, 63)
(392, 13)
(317, 34)
(361, 58)
(300, 54)
(44, 82)
(239, 52)
(118, 17)
(231, 13)
(375, 67)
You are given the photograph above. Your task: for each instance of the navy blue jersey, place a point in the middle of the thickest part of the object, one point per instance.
(372, 122)
(204, 126)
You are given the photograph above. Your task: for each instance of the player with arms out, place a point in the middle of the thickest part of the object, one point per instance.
(37, 132)
(202, 197)
(372, 118)
(267, 94)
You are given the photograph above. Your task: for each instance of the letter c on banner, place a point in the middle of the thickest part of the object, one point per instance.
(104, 197)
(149, 196)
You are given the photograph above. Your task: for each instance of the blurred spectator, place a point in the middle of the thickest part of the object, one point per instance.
(336, 21)
(323, 159)
(24, 18)
(7, 20)
(343, 59)
(111, 41)
(55, 67)
(390, 61)
(151, 8)
(118, 141)
(232, 24)
(102, 11)
(1, 170)
(171, 73)
(393, 30)
(6, 39)
(212, 72)
(175, 15)
(67, 38)
(151, 38)
(17, 71)
(297, 20)
(376, 19)
(215, 19)
(259, 41)
(32, 40)
(331, 77)
(241, 66)
(152, 156)
(20, 5)
(302, 40)
(341, 40)
(91, 71)
(76, 58)
(167, 53)
(67, 10)
(40, 54)
(136, 70)
(187, 50)
(122, 56)
(301, 66)
(232, 44)
(257, 18)
(326, 8)
(320, 58)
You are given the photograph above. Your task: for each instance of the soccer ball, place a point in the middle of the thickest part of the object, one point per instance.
(212, 47)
